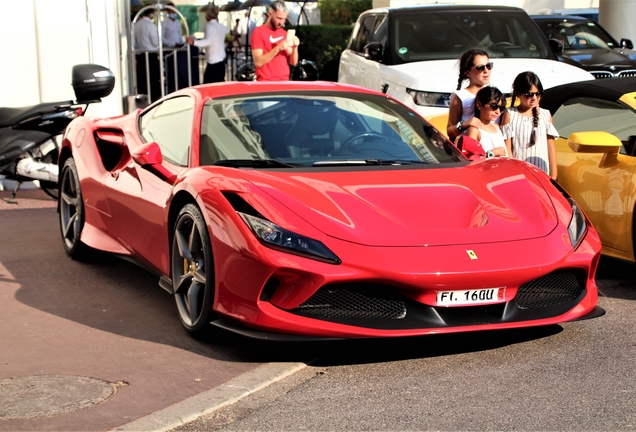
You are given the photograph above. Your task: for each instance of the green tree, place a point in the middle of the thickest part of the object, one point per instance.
(342, 12)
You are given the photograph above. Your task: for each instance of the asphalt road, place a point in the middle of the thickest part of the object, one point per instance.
(578, 376)
(84, 328)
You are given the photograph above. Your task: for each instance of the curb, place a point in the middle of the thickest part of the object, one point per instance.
(214, 399)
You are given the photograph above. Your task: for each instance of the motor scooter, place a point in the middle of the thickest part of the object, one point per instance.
(29, 135)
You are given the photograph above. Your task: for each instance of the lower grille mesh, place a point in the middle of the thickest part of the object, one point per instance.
(549, 290)
(344, 303)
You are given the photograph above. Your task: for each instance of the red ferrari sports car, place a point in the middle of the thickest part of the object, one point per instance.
(323, 210)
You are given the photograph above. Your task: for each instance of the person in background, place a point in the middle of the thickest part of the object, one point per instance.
(145, 32)
(172, 34)
(245, 28)
(489, 104)
(214, 43)
(474, 66)
(272, 51)
(527, 128)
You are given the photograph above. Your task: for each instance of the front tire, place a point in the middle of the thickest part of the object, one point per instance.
(71, 211)
(192, 270)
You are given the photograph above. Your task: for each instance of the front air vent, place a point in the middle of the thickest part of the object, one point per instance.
(352, 302)
(550, 290)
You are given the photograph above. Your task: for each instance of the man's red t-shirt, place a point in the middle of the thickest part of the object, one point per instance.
(278, 68)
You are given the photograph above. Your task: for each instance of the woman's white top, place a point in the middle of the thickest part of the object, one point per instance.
(468, 103)
(520, 128)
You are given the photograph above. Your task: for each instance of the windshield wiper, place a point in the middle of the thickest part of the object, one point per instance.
(369, 162)
(254, 163)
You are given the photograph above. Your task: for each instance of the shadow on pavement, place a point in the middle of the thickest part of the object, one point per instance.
(616, 278)
(115, 296)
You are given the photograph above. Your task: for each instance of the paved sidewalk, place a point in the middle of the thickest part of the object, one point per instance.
(105, 329)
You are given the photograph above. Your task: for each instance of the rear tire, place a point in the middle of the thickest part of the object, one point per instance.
(71, 212)
(192, 270)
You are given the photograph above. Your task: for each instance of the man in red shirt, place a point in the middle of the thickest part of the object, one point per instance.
(272, 50)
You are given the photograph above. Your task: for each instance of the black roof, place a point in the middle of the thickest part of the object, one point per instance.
(560, 18)
(610, 89)
(445, 7)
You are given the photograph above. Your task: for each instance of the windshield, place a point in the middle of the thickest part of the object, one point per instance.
(438, 35)
(318, 129)
(577, 35)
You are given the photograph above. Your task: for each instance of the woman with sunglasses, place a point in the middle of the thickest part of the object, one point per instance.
(474, 66)
(489, 104)
(527, 128)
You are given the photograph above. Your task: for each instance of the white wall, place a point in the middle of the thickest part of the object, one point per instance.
(41, 40)
(618, 18)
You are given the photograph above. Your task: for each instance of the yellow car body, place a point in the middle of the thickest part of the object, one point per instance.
(596, 154)
(596, 169)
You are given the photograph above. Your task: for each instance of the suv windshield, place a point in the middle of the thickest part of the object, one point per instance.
(318, 129)
(438, 35)
(577, 35)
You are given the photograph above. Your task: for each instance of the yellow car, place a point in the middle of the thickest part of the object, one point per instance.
(596, 154)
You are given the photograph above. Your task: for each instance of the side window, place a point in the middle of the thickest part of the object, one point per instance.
(589, 114)
(365, 33)
(381, 30)
(170, 125)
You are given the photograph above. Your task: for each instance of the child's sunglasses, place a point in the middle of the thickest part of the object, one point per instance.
(530, 94)
(495, 106)
(481, 68)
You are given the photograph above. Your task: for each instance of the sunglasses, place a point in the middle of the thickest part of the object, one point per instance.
(482, 68)
(494, 106)
(530, 94)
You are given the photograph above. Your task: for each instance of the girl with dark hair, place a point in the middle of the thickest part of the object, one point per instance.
(489, 104)
(474, 66)
(527, 128)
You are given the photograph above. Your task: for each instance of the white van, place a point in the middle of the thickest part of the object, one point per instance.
(412, 53)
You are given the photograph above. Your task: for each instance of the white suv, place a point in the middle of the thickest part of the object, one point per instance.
(412, 53)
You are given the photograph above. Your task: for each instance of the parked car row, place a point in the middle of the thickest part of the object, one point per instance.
(326, 210)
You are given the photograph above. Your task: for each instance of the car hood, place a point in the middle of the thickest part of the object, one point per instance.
(482, 202)
(603, 58)
(441, 75)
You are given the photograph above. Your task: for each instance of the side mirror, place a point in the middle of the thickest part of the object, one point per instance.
(373, 51)
(627, 44)
(597, 142)
(471, 148)
(148, 156)
(556, 46)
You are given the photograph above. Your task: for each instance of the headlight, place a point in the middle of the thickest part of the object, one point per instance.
(577, 225)
(278, 238)
(441, 100)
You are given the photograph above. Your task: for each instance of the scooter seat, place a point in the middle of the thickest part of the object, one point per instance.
(11, 116)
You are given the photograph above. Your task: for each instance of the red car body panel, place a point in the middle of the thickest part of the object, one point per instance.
(408, 228)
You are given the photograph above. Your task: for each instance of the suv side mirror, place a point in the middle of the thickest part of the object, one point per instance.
(556, 46)
(373, 51)
(627, 44)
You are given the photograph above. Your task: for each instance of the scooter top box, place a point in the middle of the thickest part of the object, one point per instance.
(92, 82)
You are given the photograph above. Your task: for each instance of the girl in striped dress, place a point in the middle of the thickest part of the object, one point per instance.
(527, 128)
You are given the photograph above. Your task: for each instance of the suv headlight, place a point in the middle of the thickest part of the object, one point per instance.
(422, 98)
(281, 239)
(577, 225)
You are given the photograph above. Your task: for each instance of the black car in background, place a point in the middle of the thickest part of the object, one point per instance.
(588, 45)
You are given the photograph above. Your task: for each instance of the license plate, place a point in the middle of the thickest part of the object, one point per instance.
(470, 297)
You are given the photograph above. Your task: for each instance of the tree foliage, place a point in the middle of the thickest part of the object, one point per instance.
(342, 12)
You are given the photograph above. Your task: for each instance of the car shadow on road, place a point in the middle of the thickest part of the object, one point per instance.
(616, 278)
(115, 296)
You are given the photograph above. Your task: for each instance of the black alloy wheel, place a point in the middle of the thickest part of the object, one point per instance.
(192, 270)
(71, 211)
